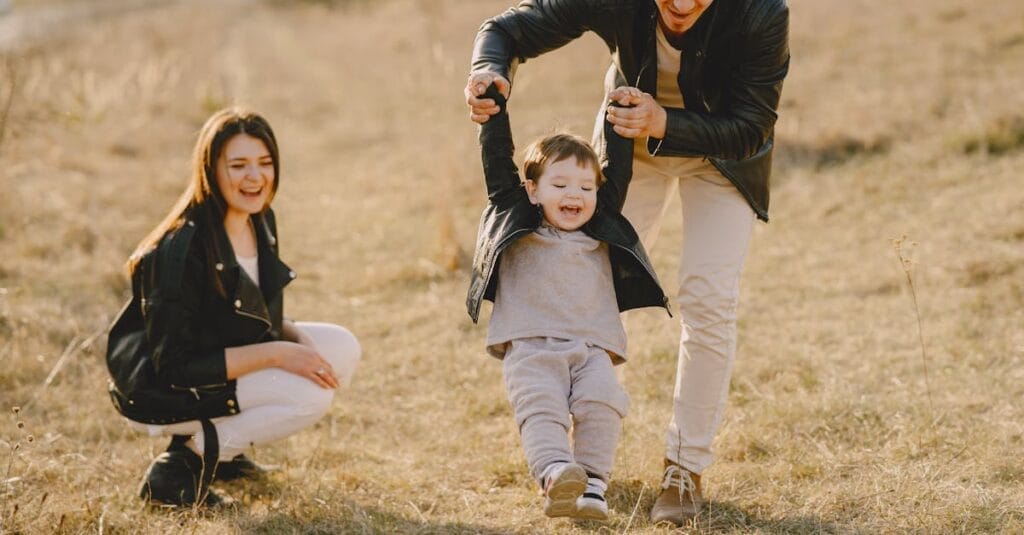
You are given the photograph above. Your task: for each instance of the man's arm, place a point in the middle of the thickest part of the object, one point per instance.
(525, 31)
(747, 113)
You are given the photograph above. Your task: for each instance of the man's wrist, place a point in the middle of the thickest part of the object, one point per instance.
(660, 123)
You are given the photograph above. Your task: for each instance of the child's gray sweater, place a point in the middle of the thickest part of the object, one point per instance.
(556, 284)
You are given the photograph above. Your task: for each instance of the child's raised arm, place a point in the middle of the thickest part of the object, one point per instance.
(496, 151)
(617, 164)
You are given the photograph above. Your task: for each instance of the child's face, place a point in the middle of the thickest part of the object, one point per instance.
(567, 192)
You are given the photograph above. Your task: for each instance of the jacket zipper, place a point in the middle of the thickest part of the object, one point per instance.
(644, 60)
(195, 389)
(739, 185)
(490, 270)
(500, 247)
(650, 271)
(253, 316)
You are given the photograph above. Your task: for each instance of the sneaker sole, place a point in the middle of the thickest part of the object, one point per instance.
(587, 513)
(677, 516)
(561, 497)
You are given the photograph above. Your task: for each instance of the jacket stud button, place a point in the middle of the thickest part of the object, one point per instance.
(231, 403)
(292, 274)
(219, 266)
(191, 223)
(238, 303)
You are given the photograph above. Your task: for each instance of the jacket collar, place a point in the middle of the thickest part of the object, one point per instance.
(250, 299)
(695, 40)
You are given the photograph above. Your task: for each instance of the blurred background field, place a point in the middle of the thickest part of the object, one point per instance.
(902, 119)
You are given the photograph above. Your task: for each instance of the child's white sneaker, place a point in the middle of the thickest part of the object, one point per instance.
(563, 484)
(592, 505)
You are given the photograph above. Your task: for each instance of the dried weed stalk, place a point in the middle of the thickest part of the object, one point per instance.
(12, 86)
(904, 255)
(9, 480)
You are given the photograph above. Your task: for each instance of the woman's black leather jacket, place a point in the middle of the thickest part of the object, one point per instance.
(509, 215)
(165, 351)
(733, 62)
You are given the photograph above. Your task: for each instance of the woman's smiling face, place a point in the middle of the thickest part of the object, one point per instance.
(245, 174)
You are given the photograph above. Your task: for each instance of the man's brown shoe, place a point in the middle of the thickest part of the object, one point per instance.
(680, 499)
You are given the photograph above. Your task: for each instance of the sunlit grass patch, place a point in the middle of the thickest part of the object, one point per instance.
(1001, 136)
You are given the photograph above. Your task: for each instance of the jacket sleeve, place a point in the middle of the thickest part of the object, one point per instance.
(172, 315)
(528, 30)
(617, 166)
(745, 116)
(504, 186)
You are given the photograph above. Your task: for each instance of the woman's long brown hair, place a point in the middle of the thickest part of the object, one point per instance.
(202, 192)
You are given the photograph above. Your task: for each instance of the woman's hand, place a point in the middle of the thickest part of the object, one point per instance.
(481, 109)
(645, 117)
(305, 361)
(293, 357)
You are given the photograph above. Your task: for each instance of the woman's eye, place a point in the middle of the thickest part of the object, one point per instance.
(237, 166)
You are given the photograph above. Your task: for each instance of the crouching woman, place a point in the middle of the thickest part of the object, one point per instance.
(201, 352)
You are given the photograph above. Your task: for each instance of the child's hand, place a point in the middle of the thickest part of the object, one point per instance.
(642, 116)
(480, 110)
(625, 96)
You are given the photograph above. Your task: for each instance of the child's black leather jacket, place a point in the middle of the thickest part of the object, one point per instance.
(165, 351)
(509, 215)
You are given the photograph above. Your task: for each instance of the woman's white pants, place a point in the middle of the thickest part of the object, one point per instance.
(273, 403)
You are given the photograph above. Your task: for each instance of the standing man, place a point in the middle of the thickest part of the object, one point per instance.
(703, 78)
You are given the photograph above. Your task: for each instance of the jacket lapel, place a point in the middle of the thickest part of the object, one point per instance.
(274, 274)
(248, 299)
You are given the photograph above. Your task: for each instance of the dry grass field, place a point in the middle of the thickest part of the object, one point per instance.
(898, 119)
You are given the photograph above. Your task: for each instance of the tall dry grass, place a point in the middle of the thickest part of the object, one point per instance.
(896, 120)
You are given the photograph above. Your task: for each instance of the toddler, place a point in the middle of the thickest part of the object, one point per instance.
(568, 263)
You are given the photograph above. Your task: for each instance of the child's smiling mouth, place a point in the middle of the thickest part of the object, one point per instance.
(571, 211)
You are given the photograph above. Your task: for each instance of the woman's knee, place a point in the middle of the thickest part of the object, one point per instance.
(313, 402)
(336, 344)
(277, 388)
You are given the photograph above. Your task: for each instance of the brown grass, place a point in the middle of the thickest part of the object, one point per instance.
(829, 428)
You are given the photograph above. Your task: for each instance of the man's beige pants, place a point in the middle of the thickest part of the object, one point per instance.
(717, 224)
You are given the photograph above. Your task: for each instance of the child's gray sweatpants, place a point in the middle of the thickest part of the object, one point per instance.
(549, 379)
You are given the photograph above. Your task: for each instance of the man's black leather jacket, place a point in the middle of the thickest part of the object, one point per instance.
(165, 351)
(734, 60)
(509, 215)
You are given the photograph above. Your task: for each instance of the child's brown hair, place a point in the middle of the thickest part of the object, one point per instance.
(555, 148)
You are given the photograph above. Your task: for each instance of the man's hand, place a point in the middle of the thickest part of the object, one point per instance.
(481, 109)
(645, 117)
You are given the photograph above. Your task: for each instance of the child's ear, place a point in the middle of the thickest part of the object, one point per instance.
(531, 191)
